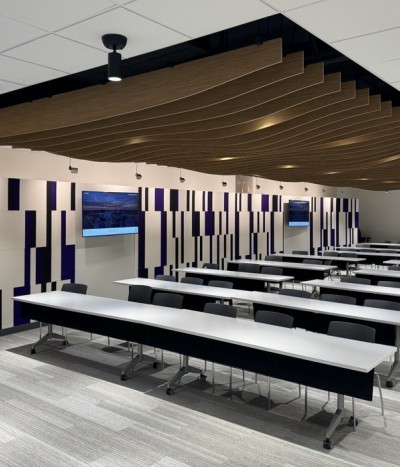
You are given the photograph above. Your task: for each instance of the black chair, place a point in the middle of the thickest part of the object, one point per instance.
(386, 304)
(331, 253)
(192, 280)
(356, 280)
(330, 297)
(218, 283)
(165, 277)
(295, 293)
(300, 252)
(359, 332)
(140, 293)
(273, 318)
(220, 309)
(210, 266)
(389, 283)
(75, 288)
(273, 258)
(272, 270)
(313, 261)
(249, 267)
(394, 268)
(168, 299)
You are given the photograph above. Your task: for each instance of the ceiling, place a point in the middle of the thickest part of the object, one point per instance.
(199, 96)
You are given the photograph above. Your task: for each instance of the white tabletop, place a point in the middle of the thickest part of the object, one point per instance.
(372, 253)
(295, 343)
(375, 289)
(190, 289)
(374, 244)
(342, 310)
(236, 274)
(394, 262)
(287, 264)
(322, 258)
(379, 273)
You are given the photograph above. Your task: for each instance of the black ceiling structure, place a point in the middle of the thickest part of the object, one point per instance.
(294, 39)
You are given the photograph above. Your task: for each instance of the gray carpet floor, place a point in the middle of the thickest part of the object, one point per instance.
(68, 407)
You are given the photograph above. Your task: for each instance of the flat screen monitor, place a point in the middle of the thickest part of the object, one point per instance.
(109, 213)
(299, 213)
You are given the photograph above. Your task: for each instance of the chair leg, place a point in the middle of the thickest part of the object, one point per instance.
(230, 381)
(354, 414)
(243, 375)
(256, 378)
(213, 376)
(305, 401)
(269, 393)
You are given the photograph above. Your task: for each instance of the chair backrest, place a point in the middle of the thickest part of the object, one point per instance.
(75, 288)
(327, 262)
(140, 293)
(165, 277)
(192, 280)
(348, 254)
(217, 283)
(394, 268)
(313, 261)
(295, 293)
(220, 309)
(274, 318)
(299, 252)
(331, 253)
(356, 280)
(249, 267)
(210, 266)
(389, 283)
(355, 331)
(388, 250)
(331, 297)
(172, 300)
(273, 258)
(386, 304)
(272, 270)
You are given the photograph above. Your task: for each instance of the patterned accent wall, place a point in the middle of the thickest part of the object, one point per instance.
(186, 228)
(37, 240)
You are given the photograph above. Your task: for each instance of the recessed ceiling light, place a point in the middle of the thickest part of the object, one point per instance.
(330, 173)
(288, 166)
(226, 158)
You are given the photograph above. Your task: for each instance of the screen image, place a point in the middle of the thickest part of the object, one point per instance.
(299, 213)
(109, 213)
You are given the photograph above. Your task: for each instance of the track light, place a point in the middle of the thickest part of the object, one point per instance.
(73, 170)
(305, 187)
(224, 183)
(181, 179)
(114, 42)
(258, 186)
(137, 174)
(281, 187)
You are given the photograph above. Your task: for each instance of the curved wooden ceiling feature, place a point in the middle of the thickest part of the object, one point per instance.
(249, 111)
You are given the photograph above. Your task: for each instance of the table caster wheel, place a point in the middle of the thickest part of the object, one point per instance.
(124, 377)
(202, 377)
(327, 443)
(350, 422)
(169, 391)
(389, 384)
(156, 364)
(33, 351)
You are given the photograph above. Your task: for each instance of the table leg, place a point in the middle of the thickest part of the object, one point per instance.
(183, 370)
(336, 419)
(268, 286)
(50, 335)
(395, 364)
(136, 359)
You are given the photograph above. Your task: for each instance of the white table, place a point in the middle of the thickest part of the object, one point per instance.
(376, 275)
(241, 279)
(295, 269)
(337, 259)
(392, 262)
(340, 365)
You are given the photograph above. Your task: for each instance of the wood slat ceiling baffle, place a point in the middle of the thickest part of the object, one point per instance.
(249, 111)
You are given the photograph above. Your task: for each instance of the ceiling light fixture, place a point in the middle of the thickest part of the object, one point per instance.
(281, 187)
(257, 185)
(73, 170)
(137, 174)
(114, 42)
(181, 179)
(224, 183)
(305, 187)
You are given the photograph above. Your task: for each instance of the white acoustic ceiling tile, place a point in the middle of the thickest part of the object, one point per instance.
(285, 5)
(13, 33)
(335, 20)
(143, 35)
(388, 71)
(8, 87)
(60, 54)
(373, 48)
(25, 73)
(196, 18)
(51, 15)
